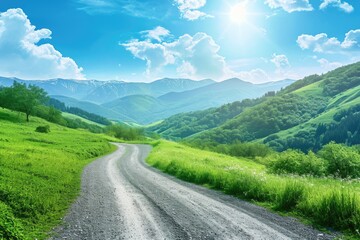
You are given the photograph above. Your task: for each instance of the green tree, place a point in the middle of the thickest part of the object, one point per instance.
(22, 98)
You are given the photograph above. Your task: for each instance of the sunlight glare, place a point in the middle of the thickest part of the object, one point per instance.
(238, 13)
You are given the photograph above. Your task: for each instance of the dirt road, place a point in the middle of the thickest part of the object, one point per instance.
(123, 198)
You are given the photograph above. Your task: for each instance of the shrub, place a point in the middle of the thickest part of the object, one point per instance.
(342, 161)
(238, 149)
(125, 132)
(296, 162)
(43, 129)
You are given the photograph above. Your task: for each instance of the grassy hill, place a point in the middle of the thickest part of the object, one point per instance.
(40, 173)
(291, 119)
(93, 108)
(73, 116)
(142, 108)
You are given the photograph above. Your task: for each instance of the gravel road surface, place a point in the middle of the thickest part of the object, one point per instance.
(123, 198)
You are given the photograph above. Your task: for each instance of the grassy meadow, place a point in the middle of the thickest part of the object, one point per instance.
(325, 202)
(40, 173)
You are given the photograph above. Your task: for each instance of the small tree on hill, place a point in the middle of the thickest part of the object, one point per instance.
(22, 98)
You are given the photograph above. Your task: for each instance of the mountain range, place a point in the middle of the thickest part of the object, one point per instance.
(145, 103)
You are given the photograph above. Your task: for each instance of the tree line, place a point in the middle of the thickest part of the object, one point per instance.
(79, 112)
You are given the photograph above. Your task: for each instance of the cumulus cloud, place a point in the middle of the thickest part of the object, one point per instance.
(189, 9)
(326, 64)
(191, 55)
(22, 56)
(344, 6)
(257, 75)
(323, 44)
(290, 5)
(280, 61)
(157, 33)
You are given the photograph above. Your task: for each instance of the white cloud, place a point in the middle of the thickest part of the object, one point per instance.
(346, 7)
(280, 61)
(327, 65)
(323, 44)
(255, 76)
(186, 70)
(21, 56)
(191, 55)
(156, 55)
(189, 9)
(157, 33)
(290, 5)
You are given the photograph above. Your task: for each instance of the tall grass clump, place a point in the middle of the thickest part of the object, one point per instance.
(337, 208)
(290, 196)
(10, 227)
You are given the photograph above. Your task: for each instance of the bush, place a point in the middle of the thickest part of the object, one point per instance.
(343, 161)
(43, 129)
(296, 162)
(125, 132)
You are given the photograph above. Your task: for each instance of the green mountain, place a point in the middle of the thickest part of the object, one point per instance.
(146, 109)
(93, 108)
(305, 115)
(142, 108)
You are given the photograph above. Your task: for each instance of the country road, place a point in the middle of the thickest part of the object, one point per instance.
(123, 198)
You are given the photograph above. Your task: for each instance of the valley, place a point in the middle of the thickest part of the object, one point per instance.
(284, 150)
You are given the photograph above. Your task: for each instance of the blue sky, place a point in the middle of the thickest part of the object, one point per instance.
(135, 40)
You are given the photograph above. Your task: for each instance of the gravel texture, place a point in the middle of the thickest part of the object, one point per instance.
(123, 198)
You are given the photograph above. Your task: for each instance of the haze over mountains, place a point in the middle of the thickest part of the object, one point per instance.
(149, 102)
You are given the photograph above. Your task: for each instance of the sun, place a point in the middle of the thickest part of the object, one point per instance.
(238, 13)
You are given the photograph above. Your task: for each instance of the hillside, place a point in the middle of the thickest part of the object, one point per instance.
(292, 118)
(40, 173)
(93, 108)
(220, 93)
(184, 125)
(142, 108)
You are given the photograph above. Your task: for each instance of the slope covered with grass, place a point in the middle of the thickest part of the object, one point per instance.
(326, 202)
(40, 173)
(293, 117)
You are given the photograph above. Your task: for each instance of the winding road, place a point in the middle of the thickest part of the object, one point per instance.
(123, 198)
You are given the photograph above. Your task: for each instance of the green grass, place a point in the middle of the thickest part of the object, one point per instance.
(40, 173)
(325, 202)
(73, 116)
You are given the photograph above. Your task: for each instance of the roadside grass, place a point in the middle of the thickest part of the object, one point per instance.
(40, 173)
(325, 202)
